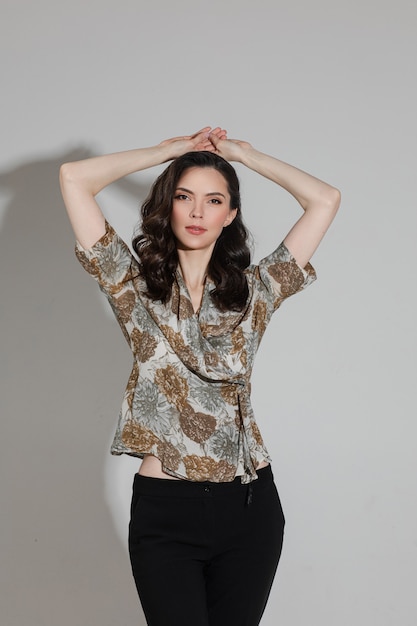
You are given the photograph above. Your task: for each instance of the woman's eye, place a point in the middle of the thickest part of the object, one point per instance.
(181, 196)
(215, 201)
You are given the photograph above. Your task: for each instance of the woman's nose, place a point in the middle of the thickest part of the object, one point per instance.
(196, 210)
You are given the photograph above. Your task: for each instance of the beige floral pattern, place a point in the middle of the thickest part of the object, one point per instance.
(181, 306)
(178, 343)
(169, 455)
(124, 305)
(288, 276)
(259, 318)
(207, 468)
(131, 384)
(172, 385)
(197, 426)
(90, 265)
(134, 433)
(187, 400)
(257, 434)
(143, 344)
(238, 345)
(229, 394)
(212, 359)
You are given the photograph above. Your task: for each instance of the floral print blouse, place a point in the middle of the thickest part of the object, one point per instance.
(187, 400)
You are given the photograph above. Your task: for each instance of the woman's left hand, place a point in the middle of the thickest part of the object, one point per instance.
(193, 143)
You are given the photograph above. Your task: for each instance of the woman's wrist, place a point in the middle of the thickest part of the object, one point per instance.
(169, 152)
(250, 157)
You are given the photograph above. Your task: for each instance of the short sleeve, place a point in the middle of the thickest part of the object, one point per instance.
(282, 276)
(109, 261)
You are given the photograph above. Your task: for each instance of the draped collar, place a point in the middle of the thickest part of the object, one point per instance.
(192, 336)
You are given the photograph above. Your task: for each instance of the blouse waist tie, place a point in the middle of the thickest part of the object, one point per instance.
(245, 411)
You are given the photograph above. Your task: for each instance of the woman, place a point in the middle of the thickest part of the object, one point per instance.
(206, 524)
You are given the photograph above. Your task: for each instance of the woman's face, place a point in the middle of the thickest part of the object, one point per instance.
(200, 208)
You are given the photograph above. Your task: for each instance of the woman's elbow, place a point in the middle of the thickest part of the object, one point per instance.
(329, 200)
(67, 173)
(333, 199)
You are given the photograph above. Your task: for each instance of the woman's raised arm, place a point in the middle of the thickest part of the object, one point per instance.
(82, 180)
(319, 200)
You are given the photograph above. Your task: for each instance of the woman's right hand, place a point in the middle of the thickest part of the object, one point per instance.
(229, 149)
(192, 143)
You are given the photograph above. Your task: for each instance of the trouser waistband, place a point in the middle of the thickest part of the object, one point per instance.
(192, 489)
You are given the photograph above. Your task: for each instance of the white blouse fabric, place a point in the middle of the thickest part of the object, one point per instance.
(187, 400)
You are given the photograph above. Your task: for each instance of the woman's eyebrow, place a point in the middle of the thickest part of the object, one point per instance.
(211, 193)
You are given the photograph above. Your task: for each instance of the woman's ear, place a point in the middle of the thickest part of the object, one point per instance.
(229, 219)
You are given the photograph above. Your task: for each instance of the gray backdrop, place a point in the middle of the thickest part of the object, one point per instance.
(329, 86)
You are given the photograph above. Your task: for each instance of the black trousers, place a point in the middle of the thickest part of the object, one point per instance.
(205, 554)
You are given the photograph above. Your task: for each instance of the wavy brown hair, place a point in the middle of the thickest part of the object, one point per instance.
(156, 244)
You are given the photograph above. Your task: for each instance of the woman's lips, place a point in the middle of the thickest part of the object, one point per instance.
(195, 230)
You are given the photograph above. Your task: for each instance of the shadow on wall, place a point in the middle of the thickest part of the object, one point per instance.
(64, 364)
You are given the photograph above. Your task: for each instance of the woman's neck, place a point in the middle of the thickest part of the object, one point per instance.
(193, 265)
